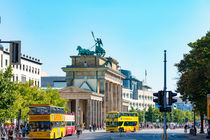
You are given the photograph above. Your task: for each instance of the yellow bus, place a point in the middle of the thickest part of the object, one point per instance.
(122, 121)
(46, 121)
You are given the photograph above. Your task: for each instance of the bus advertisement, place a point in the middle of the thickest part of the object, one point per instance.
(70, 124)
(122, 121)
(46, 122)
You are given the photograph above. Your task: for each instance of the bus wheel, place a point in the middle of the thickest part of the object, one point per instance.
(54, 136)
(121, 130)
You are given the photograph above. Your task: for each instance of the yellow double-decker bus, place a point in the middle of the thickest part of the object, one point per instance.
(46, 122)
(122, 121)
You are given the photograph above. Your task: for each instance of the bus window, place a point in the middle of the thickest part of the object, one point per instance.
(126, 123)
(120, 123)
(132, 123)
(108, 123)
(125, 114)
(39, 110)
(115, 115)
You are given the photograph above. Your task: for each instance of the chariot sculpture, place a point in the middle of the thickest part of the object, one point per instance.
(99, 51)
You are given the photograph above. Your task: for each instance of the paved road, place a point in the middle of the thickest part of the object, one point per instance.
(147, 134)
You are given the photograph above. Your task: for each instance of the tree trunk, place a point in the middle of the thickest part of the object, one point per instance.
(201, 115)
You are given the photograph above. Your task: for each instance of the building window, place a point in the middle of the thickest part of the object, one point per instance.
(20, 67)
(38, 83)
(23, 67)
(23, 78)
(16, 66)
(35, 82)
(38, 71)
(17, 78)
(26, 67)
(6, 61)
(137, 104)
(35, 70)
(32, 69)
(29, 68)
(13, 78)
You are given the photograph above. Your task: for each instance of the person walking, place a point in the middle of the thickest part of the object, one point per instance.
(94, 127)
(10, 134)
(90, 127)
(3, 134)
(23, 131)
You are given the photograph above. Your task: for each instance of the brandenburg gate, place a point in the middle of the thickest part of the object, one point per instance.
(94, 87)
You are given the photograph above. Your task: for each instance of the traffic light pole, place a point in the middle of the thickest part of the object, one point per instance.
(165, 92)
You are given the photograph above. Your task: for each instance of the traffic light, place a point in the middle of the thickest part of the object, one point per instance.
(170, 98)
(15, 53)
(160, 98)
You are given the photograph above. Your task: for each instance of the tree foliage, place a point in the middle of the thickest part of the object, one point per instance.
(194, 70)
(153, 115)
(15, 96)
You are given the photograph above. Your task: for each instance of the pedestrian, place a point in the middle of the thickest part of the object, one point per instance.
(3, 134)
(83, 126)
(23, 131)
(100, 125)
(90, 127)
(10, 134)
(94, 127)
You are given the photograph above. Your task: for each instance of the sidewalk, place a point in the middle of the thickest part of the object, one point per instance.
(198, 136)
(98, 130)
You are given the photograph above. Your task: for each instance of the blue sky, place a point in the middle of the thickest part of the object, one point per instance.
(134, 32)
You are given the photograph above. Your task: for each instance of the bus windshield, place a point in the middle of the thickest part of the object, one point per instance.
(40, 126)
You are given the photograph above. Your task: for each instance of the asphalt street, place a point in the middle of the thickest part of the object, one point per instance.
(147, 134)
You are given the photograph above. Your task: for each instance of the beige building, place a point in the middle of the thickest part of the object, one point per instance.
(29, 69)
(144, 100)
(94, 87)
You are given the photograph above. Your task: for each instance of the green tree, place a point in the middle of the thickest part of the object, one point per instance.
(8, 94)
(149, 114)
(194, 69)
(132, 109)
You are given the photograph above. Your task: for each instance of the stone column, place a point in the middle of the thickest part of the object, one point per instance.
(101, 119)
(77, 111)
(120, 98)
(107, 97)
(96, 112)
(104, 101)
(93, 112)
(69, 105)
(90, 112)
(115, 97)
(111, 97)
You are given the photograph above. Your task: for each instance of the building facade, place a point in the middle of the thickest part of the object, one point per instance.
(94, 87)
(30, 68)
(136, 93)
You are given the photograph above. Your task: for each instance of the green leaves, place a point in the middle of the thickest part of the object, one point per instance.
(194, 69)
(15, 96)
